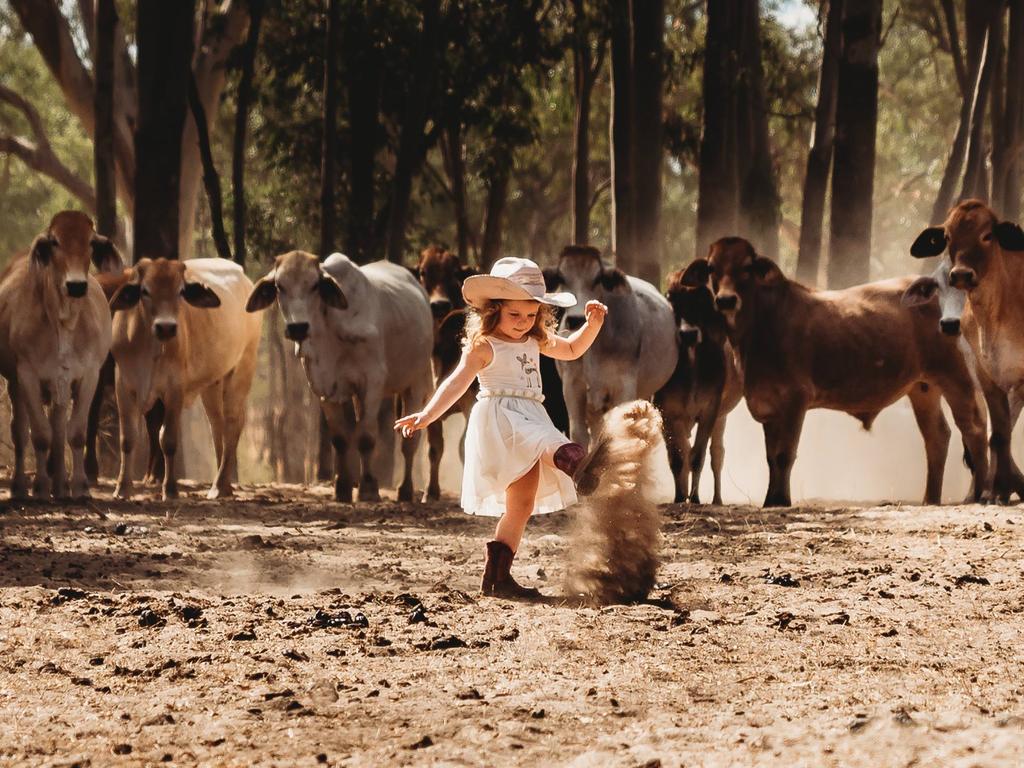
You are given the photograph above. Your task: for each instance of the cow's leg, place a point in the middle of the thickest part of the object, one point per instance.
(700, 449)
(235, 395)
(970, 420)
(678, 430)
(341, 422)
(92, 461)
(435, 443)
(718, 456)
(127, 419)
(170, 435)
(927, 405)
(414, 399)
(1007, 478)
(58, 437)
(78, 425)
(213, 404)
(574, 390)
(155, 465)
(19, 436)
(30, 393)
(366, 443)
(384, 463)
(781, 438)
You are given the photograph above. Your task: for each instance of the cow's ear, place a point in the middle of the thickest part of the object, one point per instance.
(415, 272)
(919, 292)
(200, 295)
(264, 293)
(1009, 235)
(931, 242)
(553, 279)
(42, 250)
(126, 297)
(330, 292)
(611, 278)
(766, 270)
(696, 274)
(105, 255)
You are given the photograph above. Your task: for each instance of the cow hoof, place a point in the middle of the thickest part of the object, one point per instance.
(405, 494)
(433, 493)
(219, 493)
(694, 498)
(343, 494)
(169, 494)
(41, 489)
(80, 493)
(19, 488)
(373, 495)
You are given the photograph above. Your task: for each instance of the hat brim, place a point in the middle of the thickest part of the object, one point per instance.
(479, 289)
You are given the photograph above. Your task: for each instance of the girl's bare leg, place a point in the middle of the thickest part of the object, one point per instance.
(520, 498)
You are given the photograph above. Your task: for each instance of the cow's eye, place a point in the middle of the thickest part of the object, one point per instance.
(987, 237)
(145, 291)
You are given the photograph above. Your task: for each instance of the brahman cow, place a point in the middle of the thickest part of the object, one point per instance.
(988, 265)
(364, 334)
(703, 389)
(856, 350)
(635, 353)
(181, 331)
(54, 336)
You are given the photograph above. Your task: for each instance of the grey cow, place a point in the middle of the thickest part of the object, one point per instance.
(636, 351)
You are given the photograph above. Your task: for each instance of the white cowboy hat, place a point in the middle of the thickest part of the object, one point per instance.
(516, 279)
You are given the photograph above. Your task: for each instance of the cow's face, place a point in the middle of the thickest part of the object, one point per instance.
(581, 273)
(300, 286)
(441, 275)
(158, 287)
(975, 238)
(936, 287)
(67, 247)
(736, 272)
(692, 302)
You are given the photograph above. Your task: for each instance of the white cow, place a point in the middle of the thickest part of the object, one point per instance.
(364, 334)
(636, 351)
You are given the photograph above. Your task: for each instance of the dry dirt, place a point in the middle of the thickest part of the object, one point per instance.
(281, 629)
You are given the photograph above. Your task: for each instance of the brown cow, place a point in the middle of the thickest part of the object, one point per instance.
(988, 263)
(856, 350)
(703, 389)
(181, 330)
(54, 336)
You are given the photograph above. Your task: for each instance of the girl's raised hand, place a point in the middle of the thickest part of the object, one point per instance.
(595, 312)
(409, 424)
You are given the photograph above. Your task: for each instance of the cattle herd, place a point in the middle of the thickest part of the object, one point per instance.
(375, 339)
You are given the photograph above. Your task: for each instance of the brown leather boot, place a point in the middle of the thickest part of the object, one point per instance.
(497, 580)
(572, 459)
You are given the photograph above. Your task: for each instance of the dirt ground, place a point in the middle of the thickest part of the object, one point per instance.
(283, 629)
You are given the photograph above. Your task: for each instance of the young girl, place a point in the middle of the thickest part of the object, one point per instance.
(517, 462)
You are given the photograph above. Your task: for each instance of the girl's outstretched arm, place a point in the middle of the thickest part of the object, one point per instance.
(573, 346)
(450, 390)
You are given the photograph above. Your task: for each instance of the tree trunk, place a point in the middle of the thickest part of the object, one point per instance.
(760, 203)
(103, 142)
(411, 144)
(621, 128)
(164, 33)
(975, 177)
(819, 159)
(977, 54)
(998, 94)
(364, 125)
(583, 84)
(455, 166)
(211, 180)
(497, 198)
(718, 185)
(647, 134)
(853, 170)
(1010, 182)
(241, 127)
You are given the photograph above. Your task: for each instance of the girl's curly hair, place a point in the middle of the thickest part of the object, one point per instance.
(482, 322)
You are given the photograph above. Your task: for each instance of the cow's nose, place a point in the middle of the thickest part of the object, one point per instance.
(574, 322)
(440, 307)
(950, 326)
(688, 337)
(76, 288)
(962, 277)
(297, 331)
(725, 301)
(165, 329)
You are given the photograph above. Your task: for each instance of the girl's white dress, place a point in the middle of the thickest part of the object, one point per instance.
(509, 431)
